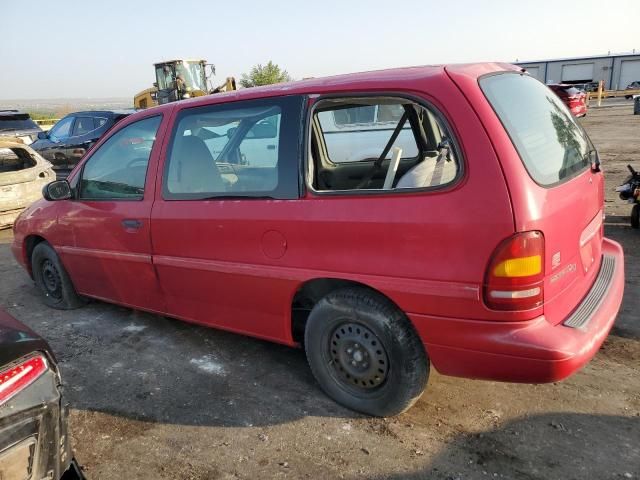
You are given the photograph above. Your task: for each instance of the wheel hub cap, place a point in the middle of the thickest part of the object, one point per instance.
(358, 356)
(51, 279)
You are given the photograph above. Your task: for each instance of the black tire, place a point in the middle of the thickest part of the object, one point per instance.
(635, 216)
(391, 367)
(52, 279)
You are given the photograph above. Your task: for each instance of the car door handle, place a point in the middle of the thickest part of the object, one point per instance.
(131, 223)
(271, 147)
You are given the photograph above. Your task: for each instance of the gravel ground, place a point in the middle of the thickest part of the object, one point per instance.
(155, 398)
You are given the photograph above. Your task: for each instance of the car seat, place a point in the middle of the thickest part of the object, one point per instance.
(195, 170)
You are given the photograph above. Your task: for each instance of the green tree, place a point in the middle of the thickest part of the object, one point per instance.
(264, 75)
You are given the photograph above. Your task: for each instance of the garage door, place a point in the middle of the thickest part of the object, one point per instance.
(629, 72)
(580, 72)
(534, 72)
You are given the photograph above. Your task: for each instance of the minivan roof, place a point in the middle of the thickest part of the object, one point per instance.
(375, 80)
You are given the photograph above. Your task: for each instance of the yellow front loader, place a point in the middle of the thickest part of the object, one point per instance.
(177, 80)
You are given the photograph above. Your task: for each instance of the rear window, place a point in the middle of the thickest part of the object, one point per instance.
(19, 121)
(552, 146)
(571, 90)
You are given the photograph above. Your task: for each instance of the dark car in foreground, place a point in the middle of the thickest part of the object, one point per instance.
(71, 137)
(34, 443)
(14, 123)
(574, 98)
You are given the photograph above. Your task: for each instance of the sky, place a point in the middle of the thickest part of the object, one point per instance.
(75, 49)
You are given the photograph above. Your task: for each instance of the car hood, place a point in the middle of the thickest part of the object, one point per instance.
(18, 340)
(40, 143)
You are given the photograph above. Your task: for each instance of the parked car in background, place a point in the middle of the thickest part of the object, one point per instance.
(632, 86)
(573, 98)
(587, 87)
(14, 123)
(476, 247)
(23, 173)
(70, 138)
(34, 443)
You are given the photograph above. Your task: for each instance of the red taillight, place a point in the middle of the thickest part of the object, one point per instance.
(515, 275)
(16, 378)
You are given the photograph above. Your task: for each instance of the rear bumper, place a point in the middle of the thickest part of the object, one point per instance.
(534, 351)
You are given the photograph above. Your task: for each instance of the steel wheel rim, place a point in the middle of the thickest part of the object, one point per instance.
(358, 357)
(51, 279)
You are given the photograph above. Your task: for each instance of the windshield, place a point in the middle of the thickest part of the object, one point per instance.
(189, 74)
(552, 146)
(193, 75)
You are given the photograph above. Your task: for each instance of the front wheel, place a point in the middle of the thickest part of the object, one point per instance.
(635, 216)
(364, 352)
(52, 279)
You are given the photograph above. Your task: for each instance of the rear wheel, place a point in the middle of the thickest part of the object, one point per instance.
(635, 216)
(365, 353)
(52, 279)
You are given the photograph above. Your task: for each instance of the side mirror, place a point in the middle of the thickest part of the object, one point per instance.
(42, 135)
(58, 190)
(155, 84)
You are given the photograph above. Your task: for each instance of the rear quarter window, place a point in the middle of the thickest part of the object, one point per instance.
(551, 144)
(17, 122)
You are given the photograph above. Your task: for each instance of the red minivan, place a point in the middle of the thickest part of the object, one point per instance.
(385, 221)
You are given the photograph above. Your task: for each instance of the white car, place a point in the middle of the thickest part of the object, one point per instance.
(23, 173)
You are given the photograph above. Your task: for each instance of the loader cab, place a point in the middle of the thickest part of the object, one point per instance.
(180, 79)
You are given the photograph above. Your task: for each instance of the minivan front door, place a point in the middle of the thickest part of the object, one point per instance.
(53, 147)
(110, 219)
(220, 223)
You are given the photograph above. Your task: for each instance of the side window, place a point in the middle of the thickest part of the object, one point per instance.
(241, 149)
(379, 143)
(99, 121)
(389, 113)
(61, 130)
(354, 115)
(117, 170)
(83, 125)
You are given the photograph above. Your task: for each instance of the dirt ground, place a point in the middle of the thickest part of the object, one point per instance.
(154, 398)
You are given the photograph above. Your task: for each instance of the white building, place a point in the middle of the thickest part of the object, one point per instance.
(617, 69)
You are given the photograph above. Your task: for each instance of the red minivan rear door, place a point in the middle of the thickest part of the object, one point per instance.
(556, 187)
